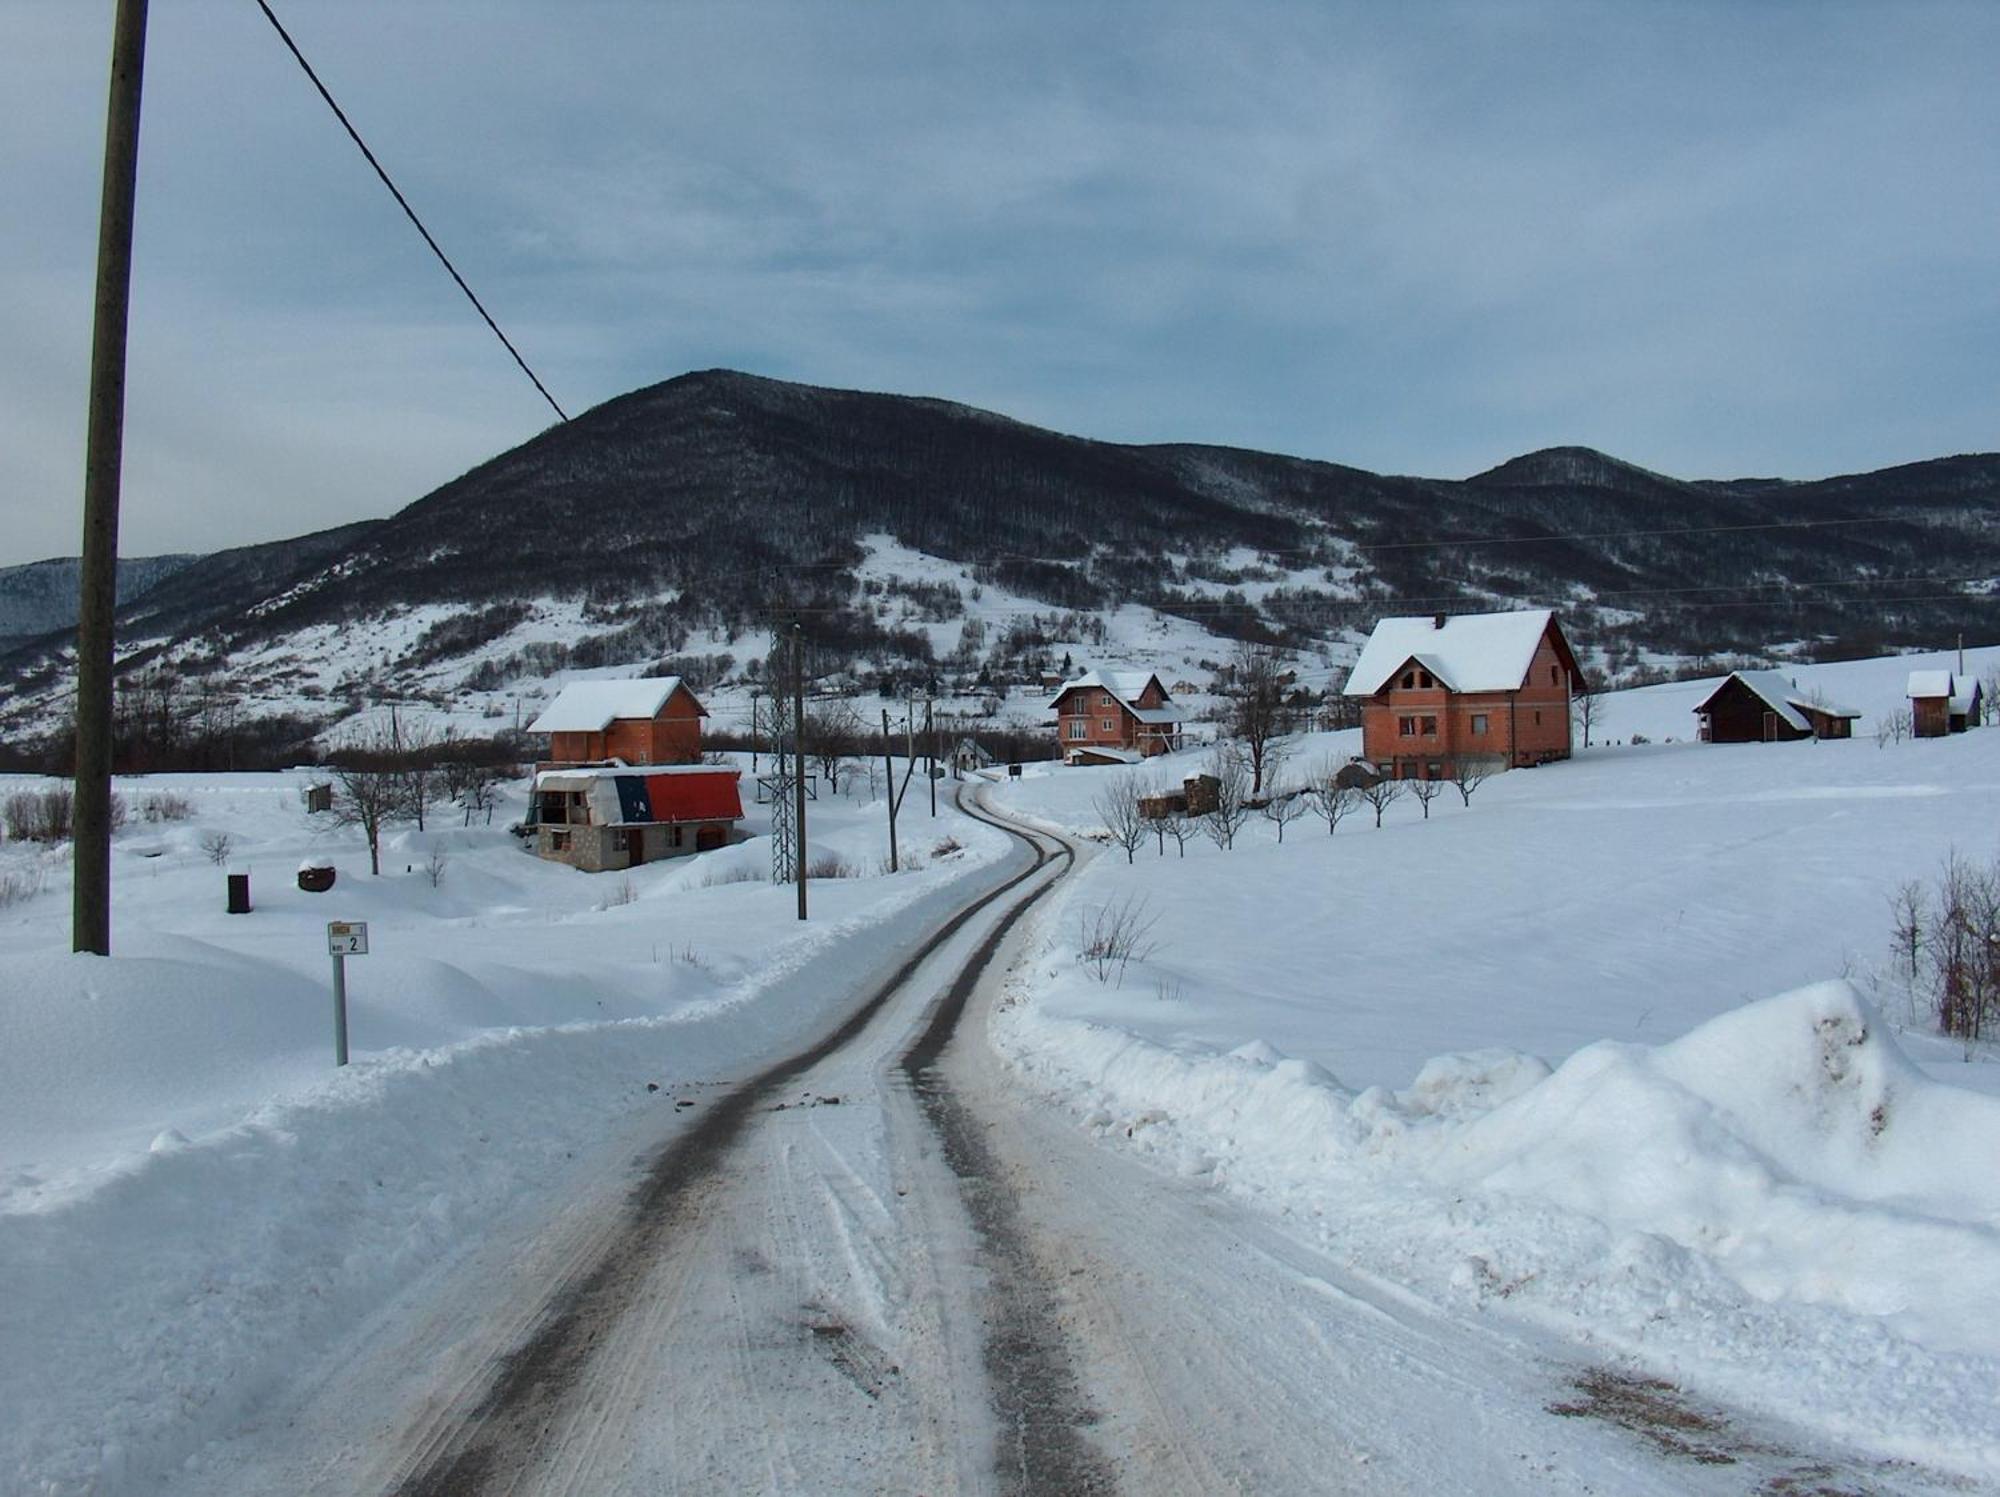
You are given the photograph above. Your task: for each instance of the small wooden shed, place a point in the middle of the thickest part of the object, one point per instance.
(1767, 707)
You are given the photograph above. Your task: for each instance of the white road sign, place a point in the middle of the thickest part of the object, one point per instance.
(347, 937)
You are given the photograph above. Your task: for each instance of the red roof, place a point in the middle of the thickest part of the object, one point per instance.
(694, 797)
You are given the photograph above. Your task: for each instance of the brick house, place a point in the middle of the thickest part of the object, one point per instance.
(605, 818)
(655, 721)
(1765, 707)
(1124, 711)
(1495, 687)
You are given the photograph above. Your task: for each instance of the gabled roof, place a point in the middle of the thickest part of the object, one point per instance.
(1930, 684)
(1468, 652)
(592, 706)
(622, 796)
(1778, 693)
(1126, 687)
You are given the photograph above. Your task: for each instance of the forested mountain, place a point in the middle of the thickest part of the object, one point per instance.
(720, 504)
(41, 596)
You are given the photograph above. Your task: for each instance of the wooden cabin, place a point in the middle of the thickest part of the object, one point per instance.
(1113, 717)
(1766, 707)
(1942, 703)
(1491, 686)
(601, 819)
(653, 721)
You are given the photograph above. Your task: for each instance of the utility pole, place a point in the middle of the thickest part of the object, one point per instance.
(799, 752)
(102, 464)
(753, 730)
(889, 779)
(930, 752)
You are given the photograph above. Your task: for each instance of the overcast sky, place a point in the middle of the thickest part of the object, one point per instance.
(1716, 240)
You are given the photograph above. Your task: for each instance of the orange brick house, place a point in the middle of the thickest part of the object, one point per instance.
(655, 721)
(1111, 714)
(1495, 687)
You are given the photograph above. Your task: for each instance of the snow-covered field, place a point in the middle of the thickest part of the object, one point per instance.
(1748, 1169)
(1752, 1170)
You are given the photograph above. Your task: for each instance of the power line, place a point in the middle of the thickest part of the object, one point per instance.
(404, 204)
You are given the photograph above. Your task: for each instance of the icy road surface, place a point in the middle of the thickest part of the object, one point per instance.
(876, 1268)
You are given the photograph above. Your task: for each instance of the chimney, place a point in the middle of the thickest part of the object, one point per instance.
(1437, 621)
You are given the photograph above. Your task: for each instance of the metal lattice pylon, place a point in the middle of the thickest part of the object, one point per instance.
(777, 792)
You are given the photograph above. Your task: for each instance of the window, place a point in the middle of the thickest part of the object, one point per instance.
(1478, 724)
(1433, 771)
(1409, 678)
(558, 841)
(1407, 726)
(1538, 717)
(1077, 727)
(622, 839)
(1430, 727)
(1555, 676)
(1424, 680)
(1107, 725)
(1104, 699)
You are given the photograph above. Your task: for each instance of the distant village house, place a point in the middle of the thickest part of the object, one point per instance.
(1113, 717)
(656, 721)
(1489, 687)
(1766, 707)
(1941, 703)
(603, 818)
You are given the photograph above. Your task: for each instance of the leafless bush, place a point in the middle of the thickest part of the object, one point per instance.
(1117, 805)
(1894, 728)
(436, 863)
(947, 847)
(1113, 936)
(19, 884)
(735, 873)
(166, 807)
(216, 845)
(1910, 908)
(45, 815)
(831, 865)
(623, 894)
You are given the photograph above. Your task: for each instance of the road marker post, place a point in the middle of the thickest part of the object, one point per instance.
(344, 938)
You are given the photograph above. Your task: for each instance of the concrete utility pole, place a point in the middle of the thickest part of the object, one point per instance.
(103, 457)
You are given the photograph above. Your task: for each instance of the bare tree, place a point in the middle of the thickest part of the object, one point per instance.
(418, 751)
(1584, 708)
(1426, 790)
(1964, 949)
(835, 731)
(1173, 824)
(215, 846)
(436, 863)
(1470, 771)
(1113, 936)
(1117, 804)
(1225, 818)
(1910, 907)
(368, 787)
(1284, 807)
(1258, 716)
(1381, 795)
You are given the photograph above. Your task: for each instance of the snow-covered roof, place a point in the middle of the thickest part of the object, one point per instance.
(592, 706)
(1467, 652)
(1781, 694)
(1127, 687)
(1930, 683)
(576, 776)
(1965, 698)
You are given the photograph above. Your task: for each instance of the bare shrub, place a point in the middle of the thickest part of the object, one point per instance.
(436, 863)
(735, 873)
(1330, 799)
(623, 894)
(1964, 949)
(947, 847)
(1113, 936)
(18, 884)
(46, 815)
(831, 865)
(216, 845)
(166, 807)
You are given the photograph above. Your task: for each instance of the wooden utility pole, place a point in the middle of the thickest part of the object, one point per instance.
(889, 779)
(103, 457)
(799, 753)
(930, 761)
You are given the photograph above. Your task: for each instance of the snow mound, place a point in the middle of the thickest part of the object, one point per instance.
(1789, 1142)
